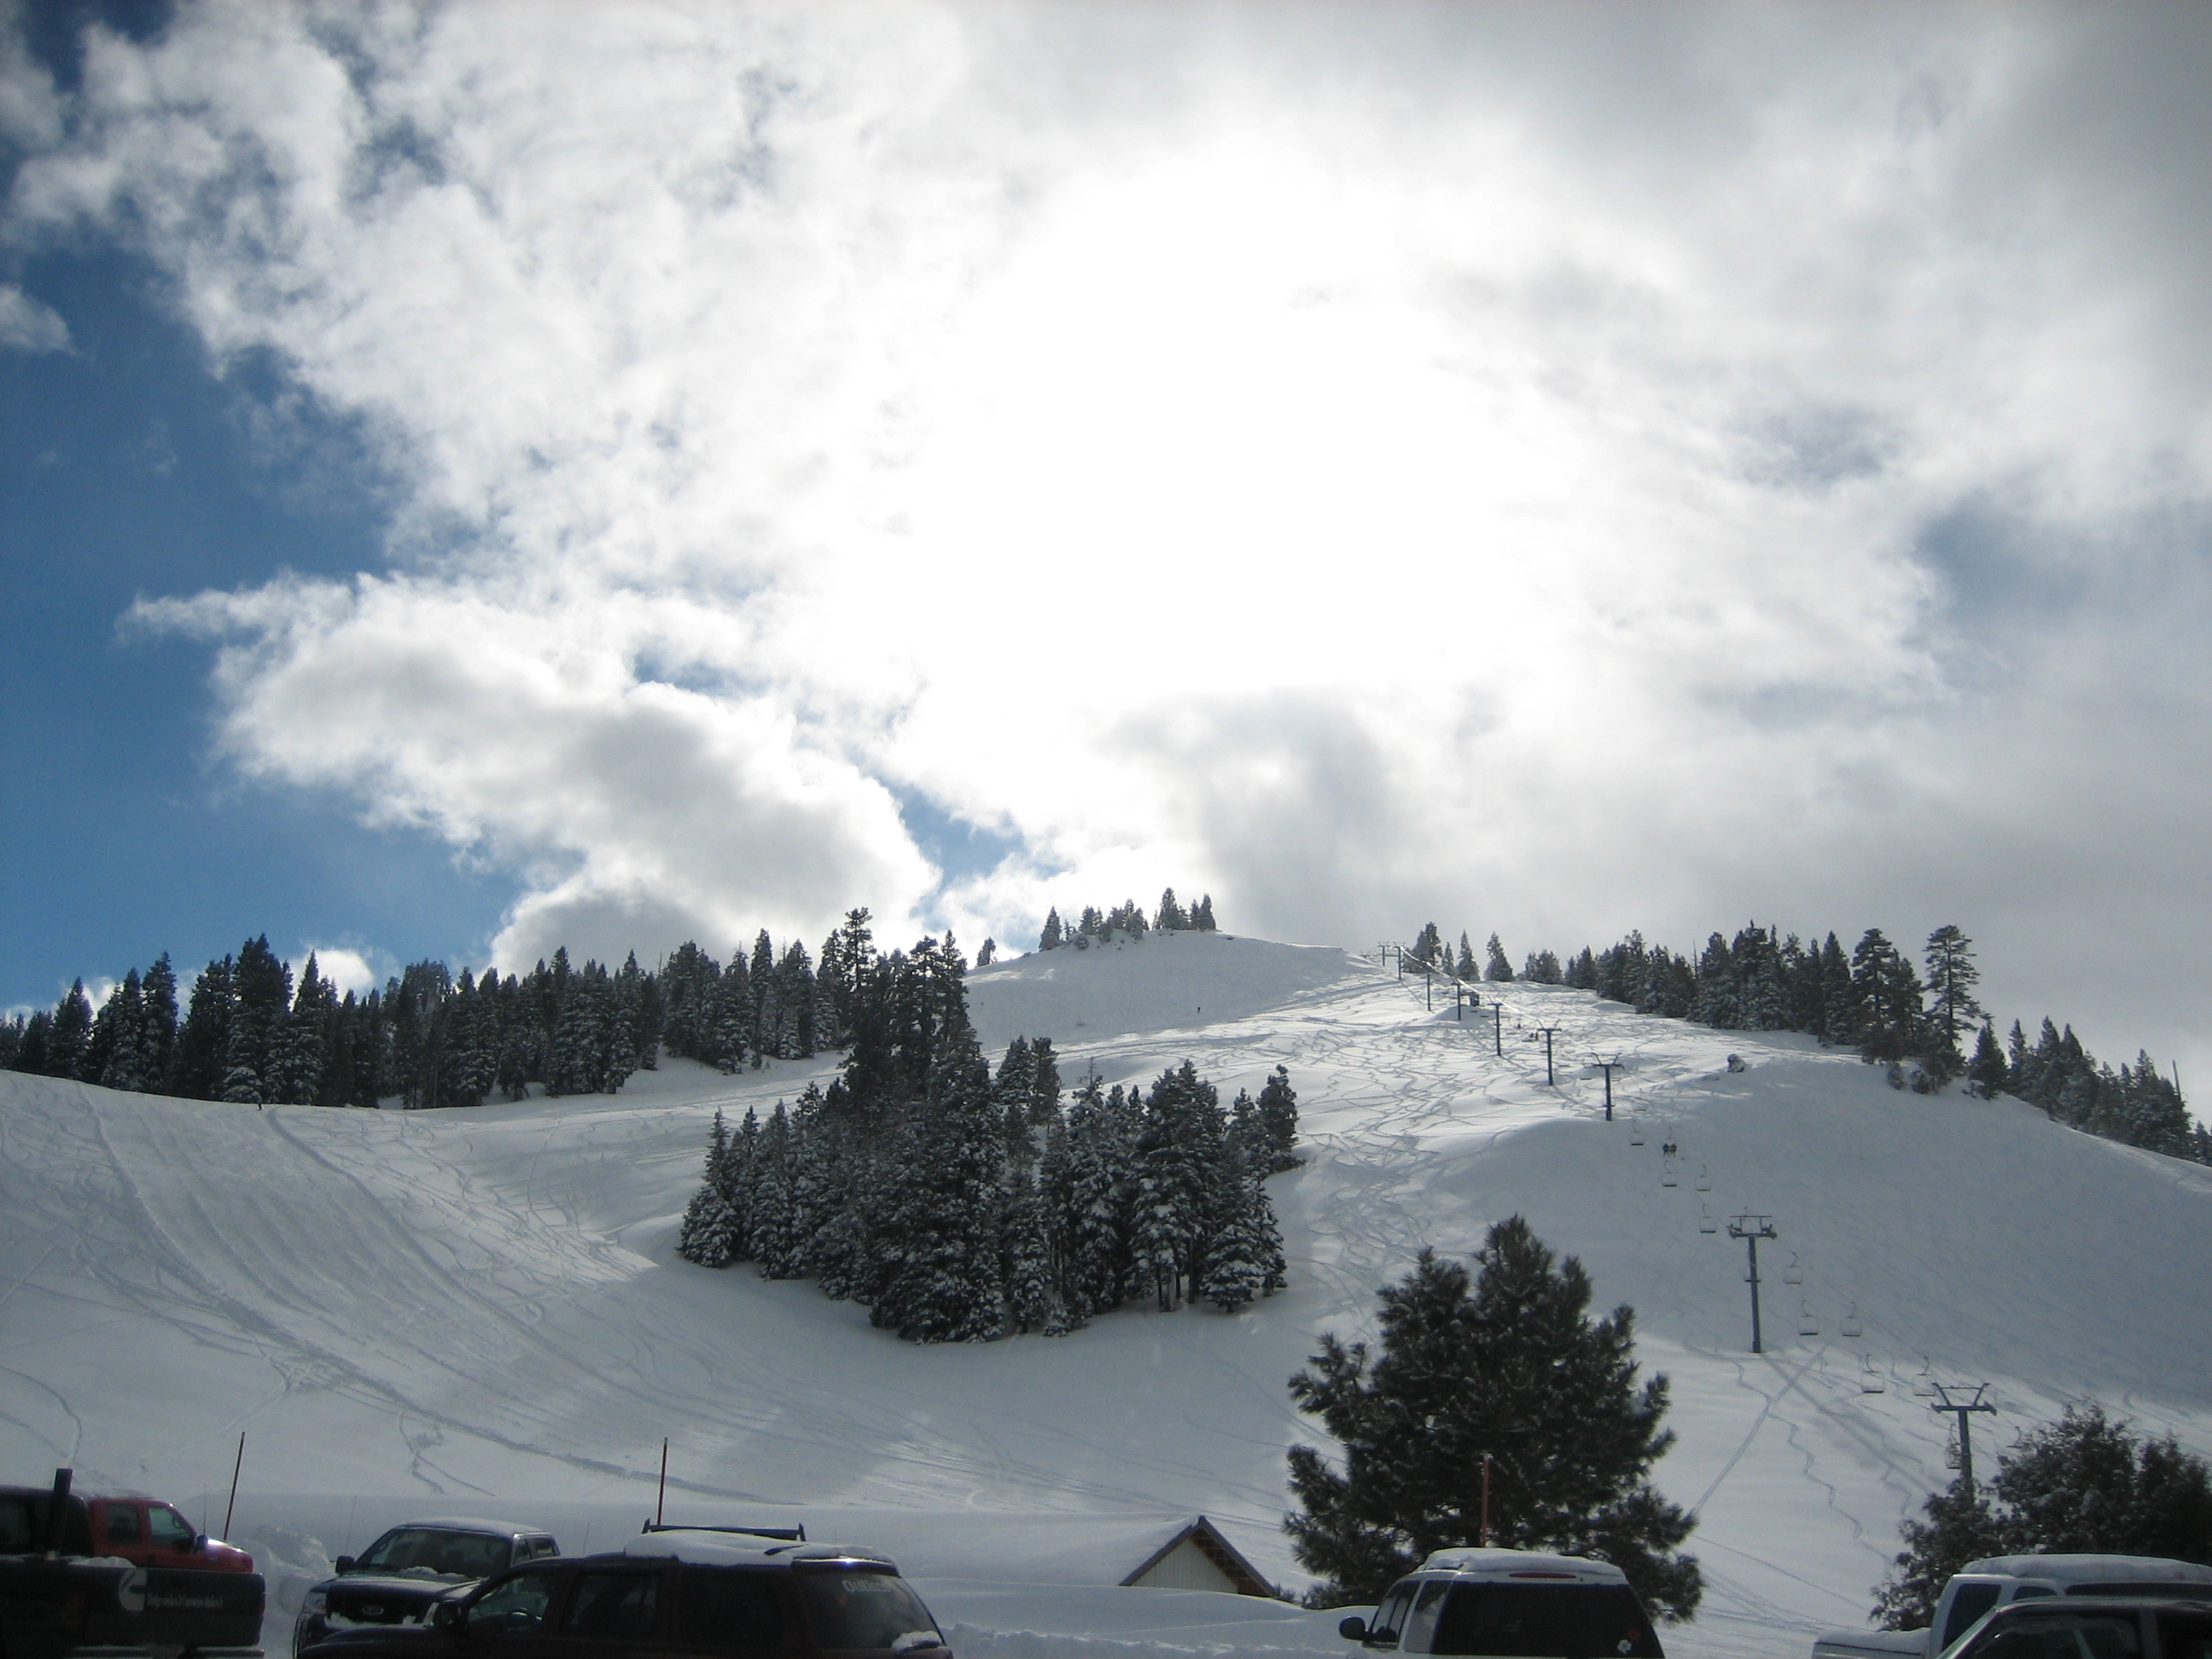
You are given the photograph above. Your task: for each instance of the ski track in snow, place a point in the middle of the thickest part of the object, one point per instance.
(485, 1305)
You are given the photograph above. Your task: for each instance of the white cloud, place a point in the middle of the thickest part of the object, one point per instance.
(28, 324)
(1488, 462)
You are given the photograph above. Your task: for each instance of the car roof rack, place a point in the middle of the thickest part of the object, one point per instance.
(786, 1534)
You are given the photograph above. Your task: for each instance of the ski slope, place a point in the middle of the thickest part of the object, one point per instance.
(481, 1311)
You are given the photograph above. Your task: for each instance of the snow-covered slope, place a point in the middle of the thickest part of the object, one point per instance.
(481, 1310)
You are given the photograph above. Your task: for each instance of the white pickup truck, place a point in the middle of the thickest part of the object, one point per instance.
(2005, 1578)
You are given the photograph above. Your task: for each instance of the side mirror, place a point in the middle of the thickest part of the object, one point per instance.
(447, 1615)
(200, 1544)
(1352, 1630)
(343, 1565)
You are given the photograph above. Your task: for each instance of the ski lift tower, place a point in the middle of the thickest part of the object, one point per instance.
(1609, 1067)
(1751, 1229)
(1964, 1409)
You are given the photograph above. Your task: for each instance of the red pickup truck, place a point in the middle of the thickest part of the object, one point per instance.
(147, 1532)
(120, 1574)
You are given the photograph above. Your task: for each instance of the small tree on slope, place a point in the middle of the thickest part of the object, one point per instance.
(1513, 1366)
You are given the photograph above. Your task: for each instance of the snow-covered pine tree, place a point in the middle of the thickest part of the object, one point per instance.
(1509, 1363)
(1986, 1073)
(1171, 918)
(708, 1234)
(1086, 1178)
(940, 1282)
(1050, 938)
(1025, 1257)
(1044, 1084)
(1243, 1258)
(1464, 968)
(1177, 1152)
(1428, 946)
(774, 1227)
(1278, 1119)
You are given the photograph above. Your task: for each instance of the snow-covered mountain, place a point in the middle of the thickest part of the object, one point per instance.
(482, 1311)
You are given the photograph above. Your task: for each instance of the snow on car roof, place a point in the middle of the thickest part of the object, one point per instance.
(706, 1547)
(468, 1523)
(1521, 1564)
(2085, 1568)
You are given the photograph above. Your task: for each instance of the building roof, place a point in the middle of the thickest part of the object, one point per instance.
(1203, 1536)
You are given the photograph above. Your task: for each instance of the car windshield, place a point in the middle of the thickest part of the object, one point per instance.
(866, 1610)
(434, 1553)
(1545, 1621)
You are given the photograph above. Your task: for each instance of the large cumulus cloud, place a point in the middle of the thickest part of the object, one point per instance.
(1552, 469)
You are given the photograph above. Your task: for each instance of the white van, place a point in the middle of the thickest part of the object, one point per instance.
(1516, 1603)
(2000, 1580)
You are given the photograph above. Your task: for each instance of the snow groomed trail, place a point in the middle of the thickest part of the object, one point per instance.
(482, 1310)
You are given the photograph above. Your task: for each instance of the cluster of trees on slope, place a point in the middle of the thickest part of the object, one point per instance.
(1875, 1001)
(958, 1206)
(1095, 926)
(2084, 1485)
(249, 1034)
(1505, 1365)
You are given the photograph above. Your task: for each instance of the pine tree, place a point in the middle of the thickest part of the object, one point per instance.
(1278, 1119)
(1050, 939)
(68, 1040)
(1428, 946)
(1465, 967)
(1025, 1257)
(1085, 1177)
(157, 1028)
(1201, 919)
(940, 1271)
(1510, 1364)
(1986, 1073)
(116, 1054)
(708, 1233)
(1171, 918)
(1952, 976)
(1497, 967)
(1044, 1084)
(1960, 1527)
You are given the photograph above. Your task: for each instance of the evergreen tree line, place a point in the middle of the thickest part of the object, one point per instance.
(960, 1206)
(1873, 1000)
(248, 1033)
(2084, 1485)
(1096, 928)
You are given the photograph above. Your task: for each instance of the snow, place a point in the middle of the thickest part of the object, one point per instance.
(422, 1312)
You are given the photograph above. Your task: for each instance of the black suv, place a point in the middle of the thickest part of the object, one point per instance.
(673, 1595)
(399, 1578)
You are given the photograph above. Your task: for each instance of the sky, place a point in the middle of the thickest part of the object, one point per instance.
(491, 477)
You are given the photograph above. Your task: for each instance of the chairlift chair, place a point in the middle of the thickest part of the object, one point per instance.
(1704, 1179)
(1851, 1325)
(1923, 1381)
(1870, 1379)
(1793, 1274)
(1667, 1175)
(1806, 1325)
(1635, 1129)
(1707, 1221)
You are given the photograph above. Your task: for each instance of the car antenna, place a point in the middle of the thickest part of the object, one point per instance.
(237, 1464)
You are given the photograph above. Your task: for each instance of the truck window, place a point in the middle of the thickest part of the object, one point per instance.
(513, 1607)
(171, 1530)
(1545, 1622)
(1391, 1616)
(2184, 1635)
(2068, 1636)
(17, 1534)
(1968, 1603)
(123, 1524)
(723, 1609)
(1421, 1622)
(862, 1609)
(615, 1607)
